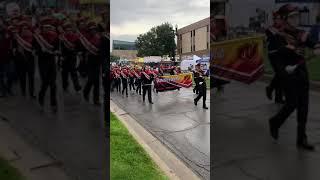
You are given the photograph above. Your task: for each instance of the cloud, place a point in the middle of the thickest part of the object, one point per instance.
(130, 18)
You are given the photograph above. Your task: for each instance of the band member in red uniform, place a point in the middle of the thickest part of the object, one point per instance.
(4, 60)
(92, 44)
(131, 79)
(124, 80)
(147, 78)
(83, 31)
(137, 74)
(25, 62)
(70, 47)
(118, 79)
(47, 45)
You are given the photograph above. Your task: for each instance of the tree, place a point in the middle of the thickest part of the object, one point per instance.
(158, 41)
(114, 58)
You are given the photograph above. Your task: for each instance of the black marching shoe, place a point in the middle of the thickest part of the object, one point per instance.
(205, 107)
(269, 93)
(151, 102)
(195, 102)
(274, 131)
(304, 145)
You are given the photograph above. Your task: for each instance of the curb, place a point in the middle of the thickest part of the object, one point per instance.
(173, 167)
(314, 85)
(31, 163)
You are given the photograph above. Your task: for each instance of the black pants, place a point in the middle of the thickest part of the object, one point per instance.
(69, 68)
(118, 84)
(297, 98)
(93, 78)
(111, 84)
(125, 86)
(138, 84)
(48, 73)
(145, 89)
(25, 69)
(275, 83)
(196, 87)
(202, 93)
(131, 83)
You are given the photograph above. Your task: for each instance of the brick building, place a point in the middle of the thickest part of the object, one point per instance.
(194, 39)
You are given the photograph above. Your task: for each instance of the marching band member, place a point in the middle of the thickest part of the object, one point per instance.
(47, 46)
(147, 78)
(137, 74)
(294, 76)
(70, 48)
(202, 87)
(25, 62)
(124, 80)
(92, 43)
(131, 79)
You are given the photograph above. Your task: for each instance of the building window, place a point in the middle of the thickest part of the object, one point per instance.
(194, 32)
(194, 48)
(191, 33)
(207, 28)
(207, 45)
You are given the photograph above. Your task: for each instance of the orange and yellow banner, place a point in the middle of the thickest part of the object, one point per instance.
(240, 59)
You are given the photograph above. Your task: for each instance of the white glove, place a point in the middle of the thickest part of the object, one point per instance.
(290, 69)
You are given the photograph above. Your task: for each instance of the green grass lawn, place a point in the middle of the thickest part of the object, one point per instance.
(129, 161)
(7, 172)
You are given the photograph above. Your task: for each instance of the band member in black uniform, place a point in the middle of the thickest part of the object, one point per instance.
(202, 87)
(273, 41)
(25, 62)
(294, 76)
(92, 44)
(47, 46)
(70, 47)
(124, 80)
(196, 81)
(147, 78)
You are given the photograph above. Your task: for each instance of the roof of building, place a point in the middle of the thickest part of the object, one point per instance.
(196, 25)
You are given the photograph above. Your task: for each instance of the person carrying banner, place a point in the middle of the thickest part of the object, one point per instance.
(25, 62)
(69, 48)
(147, 78)
(202, 87)
(92, 44)
(294, 76)
(273, 38)
(47, 49)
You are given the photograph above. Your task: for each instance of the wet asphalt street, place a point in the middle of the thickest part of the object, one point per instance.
(176, 122)
(242, 146)
(74, 136)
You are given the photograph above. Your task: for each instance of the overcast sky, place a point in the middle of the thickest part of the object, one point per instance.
(131, 18)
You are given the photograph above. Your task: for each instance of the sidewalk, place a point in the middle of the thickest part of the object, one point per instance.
(75, 136)
(243, 148)
(32, 164)
(176, 122)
